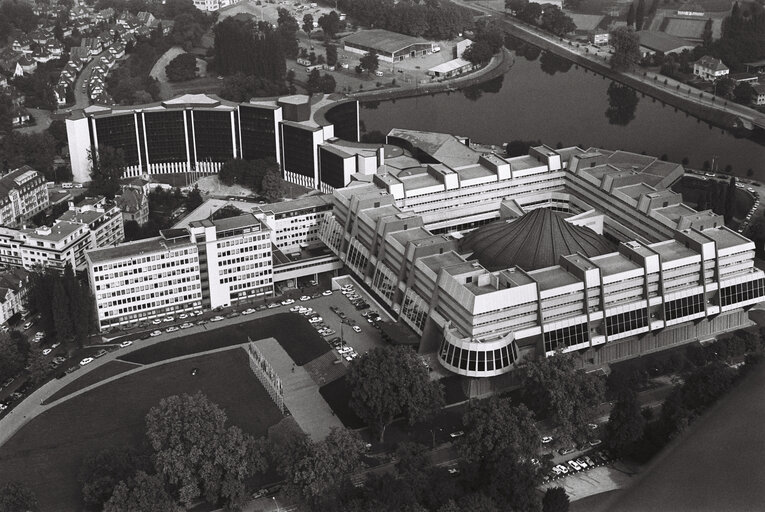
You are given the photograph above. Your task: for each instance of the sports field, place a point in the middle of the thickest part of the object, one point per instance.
(685, 28)
(47, 453)
(292, 331)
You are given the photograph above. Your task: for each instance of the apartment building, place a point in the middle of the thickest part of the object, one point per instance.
(23, 195)
(581, 251)
(208, 264)
(103, 218)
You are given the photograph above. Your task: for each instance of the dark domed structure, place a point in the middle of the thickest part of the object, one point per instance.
(534, 241)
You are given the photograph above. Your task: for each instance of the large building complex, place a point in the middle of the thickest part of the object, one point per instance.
(209, 264)
(496, 260)
(23, 195)
(198, 133)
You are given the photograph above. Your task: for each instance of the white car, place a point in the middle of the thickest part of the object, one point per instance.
(187, 325)
(125, 344)
(315, 320)
(156, 321)
(172, 328)
(155, 333)
(248, 311)
(356, 328)
(305, 298)
(85, 361)
(344, 350)
(274, 305)
(168, 319)
(294, 309)
(327, 293)
(198, 313)
(287, 302)
(216, 318)
(55, 345)
(47, 351)
(183, 316)
(546, 439)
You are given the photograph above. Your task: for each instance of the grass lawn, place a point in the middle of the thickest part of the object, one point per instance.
(47, 453)
(110, 369)
(337, 394)
(294, 333)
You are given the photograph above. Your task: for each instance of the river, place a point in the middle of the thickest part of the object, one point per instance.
(544, 97)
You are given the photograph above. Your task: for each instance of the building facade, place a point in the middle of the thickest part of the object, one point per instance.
(23, 195)
(710, 69)
(14, 284)
(675, 276)
(209, 264)
(197, 134)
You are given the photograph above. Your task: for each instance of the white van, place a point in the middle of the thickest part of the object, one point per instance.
(378, 73)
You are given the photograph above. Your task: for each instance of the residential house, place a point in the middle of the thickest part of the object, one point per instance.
(134, 203)
(28, 65)
(147, 19)
(92, 44)
(759, 94)
(14, 284)
(117, 50)
(20, 115)
(710, 69)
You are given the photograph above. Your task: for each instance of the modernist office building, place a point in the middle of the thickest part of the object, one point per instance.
(493, 260)
(211, 263)
(197, 133)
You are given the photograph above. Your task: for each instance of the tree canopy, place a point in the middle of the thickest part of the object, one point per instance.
(553, 389)
(626, 45)
(625, 424)
(555, 500)
(370, 62)
(249, 48)
(430, 19)
(389, 382)
(15, 497)
(182, 68)
(197, 453)
(141, 493)
(495, 428)
(103, 471)
(106, 170)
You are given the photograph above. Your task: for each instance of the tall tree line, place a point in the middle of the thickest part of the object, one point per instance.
(432, 19)
(65, 305)
(244, 47)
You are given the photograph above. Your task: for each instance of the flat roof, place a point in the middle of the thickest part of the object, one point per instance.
(451, 65)
(610, 264)
(670, 250)
(384, 40)
(661, 42)
(134, 249)
(725, 238)
(436, 262)
(294, 205)
(418, 233)
(55, 233)
(553, 277)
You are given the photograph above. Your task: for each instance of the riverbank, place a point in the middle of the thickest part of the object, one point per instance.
(498, 66)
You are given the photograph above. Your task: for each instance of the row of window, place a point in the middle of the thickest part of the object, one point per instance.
(566, 337)
(624, 322)
(478, 360)
(684, 306)
(742, 292)
(152, 305)
(148, 296)
(139, 261)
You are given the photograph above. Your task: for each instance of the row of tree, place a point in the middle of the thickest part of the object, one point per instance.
(548, 17)
(65, 305)
(432, 19)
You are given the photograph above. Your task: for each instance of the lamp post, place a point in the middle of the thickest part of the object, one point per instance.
(276, 503)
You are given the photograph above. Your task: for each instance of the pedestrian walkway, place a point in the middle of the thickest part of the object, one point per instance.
(301, 394)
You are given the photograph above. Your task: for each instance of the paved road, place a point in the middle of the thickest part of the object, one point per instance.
(685, 92)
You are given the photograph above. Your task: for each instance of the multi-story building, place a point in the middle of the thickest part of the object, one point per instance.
(14, 284)
(295, 224)
(235, 259)
(94, 223)
(197, 134)
(103, 218)
(145, 279)
(709, 68)
(495, 260)
(210, 263)
(23, 195)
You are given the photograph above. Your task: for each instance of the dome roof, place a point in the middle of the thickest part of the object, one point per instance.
(534, 241)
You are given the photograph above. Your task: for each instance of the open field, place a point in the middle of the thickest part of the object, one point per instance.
(110, 369)
(47, 453)
(685, 27)
(294, 333)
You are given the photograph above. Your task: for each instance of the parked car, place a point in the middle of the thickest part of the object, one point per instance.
(85, 361)
(458, 433)
(546, 439)
(305, 298)
(248, 311)
(125, 344)
(47, 351)
(566, 451)
(187, 325)
(356, 328)
(217, 318)
(327, 293)
(287, 302)
(155, 333)
(156, 321)
(172, 328)
(574, 465)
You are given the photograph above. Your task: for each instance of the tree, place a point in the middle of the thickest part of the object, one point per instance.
(194, 199)
(15, 497)
(515, 6)
(626, 45)
(330, 24)
(743, 93)
(370, 62)
(272, 186)
(555, 21)
(197, 454)
(187, 31)
(106, 171)
(724, 86)
(495, 427)
(331, 55)
(62, 318)
(555, 500)
(413, 461)
(307, 24)
(625, 424)
(182, 68)
(514, 484)
(12, 359)
(640, 15)
(388, 382)
(530, 13)
(553, 389)
(730, 199)
(102, 471)
(478, 53)
(631, 16)
(706, 35)
(142, 493)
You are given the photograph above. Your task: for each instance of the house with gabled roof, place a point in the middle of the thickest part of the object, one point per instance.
(710, 69)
